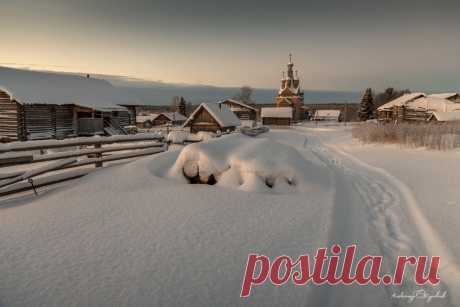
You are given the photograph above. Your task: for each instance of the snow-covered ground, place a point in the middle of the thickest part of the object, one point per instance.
(138, 234)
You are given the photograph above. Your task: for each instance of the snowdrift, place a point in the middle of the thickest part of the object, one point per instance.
(245, 163)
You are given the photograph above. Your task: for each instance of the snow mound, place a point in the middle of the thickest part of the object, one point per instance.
(177, 137)
(248, 164)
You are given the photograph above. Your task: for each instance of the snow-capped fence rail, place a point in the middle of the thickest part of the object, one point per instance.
(50, 144)
(73, 156)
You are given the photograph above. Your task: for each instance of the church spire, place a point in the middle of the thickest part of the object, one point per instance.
(290, 65)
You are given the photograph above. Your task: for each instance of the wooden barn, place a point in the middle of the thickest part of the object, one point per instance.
(39, 120)
(241, 110)
(277, 116)
(212, 117)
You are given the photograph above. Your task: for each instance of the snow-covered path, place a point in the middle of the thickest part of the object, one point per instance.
(379, 213)
(127, 237)
(375, 211)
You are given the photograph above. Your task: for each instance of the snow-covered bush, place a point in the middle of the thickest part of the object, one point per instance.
(440, 136)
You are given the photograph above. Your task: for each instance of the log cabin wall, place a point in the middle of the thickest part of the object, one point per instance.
(276, 121)
(11, 119)
(65, 123)
(124, 118)
(240, 111)
(46, 121)
(203, 121)
(39, 121)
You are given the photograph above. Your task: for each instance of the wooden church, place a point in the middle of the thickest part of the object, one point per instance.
(290, 93)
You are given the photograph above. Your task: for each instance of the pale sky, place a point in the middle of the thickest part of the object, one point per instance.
(337, 45)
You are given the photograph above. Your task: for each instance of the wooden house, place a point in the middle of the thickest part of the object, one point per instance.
(420, 108)
(277, 116)
(212, 117)
(387, 112)
(242, 111)
(169, 118)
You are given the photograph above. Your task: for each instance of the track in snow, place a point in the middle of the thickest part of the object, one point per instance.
(371, 211)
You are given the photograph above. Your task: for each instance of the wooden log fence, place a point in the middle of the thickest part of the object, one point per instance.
(18, 181)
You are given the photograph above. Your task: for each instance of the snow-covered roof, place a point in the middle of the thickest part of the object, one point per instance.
(403, 100)
(446, 116)
(430, 103)
(29, 87)
(443, 95)
(327, 113)
(291, 90)
(144, 118)
(242, 104)
(174, 116)
(220, 112)
(274, 112)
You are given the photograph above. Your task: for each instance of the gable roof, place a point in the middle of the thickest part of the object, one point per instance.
(242, 104)
(277, 112)
(220, 112)
(403, 100)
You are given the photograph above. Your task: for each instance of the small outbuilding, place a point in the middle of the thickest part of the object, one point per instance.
(277, 116)
(242, 110)
(172, 118)
(327, 115)
(212, 117)
(160, 119)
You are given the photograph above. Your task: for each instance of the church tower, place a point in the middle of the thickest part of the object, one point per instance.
(290, 94)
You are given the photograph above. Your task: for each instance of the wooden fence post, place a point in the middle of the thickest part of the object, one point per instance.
(98, 155)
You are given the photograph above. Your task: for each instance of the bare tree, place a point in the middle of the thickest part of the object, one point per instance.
(175, 103)
(245, 94)
(388, 95)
